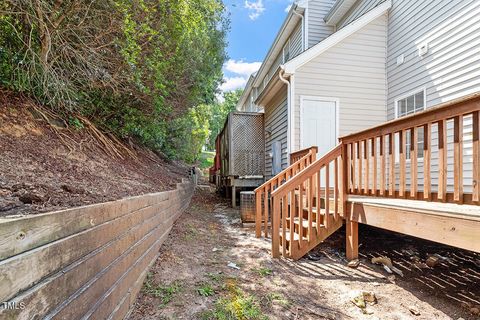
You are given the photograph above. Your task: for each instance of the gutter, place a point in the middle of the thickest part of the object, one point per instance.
(303, 26)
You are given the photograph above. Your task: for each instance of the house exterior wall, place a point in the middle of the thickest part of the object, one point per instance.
(359, 8)
(317, 29)
(353, 72)
(276, 123)
(451, 67)
(449, 70)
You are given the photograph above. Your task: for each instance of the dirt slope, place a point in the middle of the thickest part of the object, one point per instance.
(39, 172)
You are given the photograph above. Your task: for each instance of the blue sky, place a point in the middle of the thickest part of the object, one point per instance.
(254, 25)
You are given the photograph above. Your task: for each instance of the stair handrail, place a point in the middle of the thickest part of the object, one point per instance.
(297, 155)
(309, 157)
(280, 196)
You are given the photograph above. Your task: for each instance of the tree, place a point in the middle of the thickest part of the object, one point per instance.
(220, 111)
(133, 67)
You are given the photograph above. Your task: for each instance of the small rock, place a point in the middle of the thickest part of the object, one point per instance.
(370, 297)
(233, 265)
(475, 311)
(413, 310)
(382, 260)
(387, 269)
(215, 249)
(354, 263)
(432, 261)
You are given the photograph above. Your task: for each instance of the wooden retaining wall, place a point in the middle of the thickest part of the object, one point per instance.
(86, 262)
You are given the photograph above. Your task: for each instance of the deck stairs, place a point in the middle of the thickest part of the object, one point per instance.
(374, 177)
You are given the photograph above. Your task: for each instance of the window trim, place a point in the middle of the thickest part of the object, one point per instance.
(404, 96)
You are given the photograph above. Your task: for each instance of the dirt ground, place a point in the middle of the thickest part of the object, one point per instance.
(45, 167)
(192, 278)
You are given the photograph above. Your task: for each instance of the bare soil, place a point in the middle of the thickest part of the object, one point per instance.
(209, 235)
(39, 173)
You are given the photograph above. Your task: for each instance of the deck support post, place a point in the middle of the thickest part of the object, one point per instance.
(352, 239)
(234, 197)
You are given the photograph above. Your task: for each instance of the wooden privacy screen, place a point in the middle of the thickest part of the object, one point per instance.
(87, 262)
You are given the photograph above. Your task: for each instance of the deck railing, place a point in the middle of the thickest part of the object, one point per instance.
(297, 155)
(262, 192)
(432, 155)
(312, 190)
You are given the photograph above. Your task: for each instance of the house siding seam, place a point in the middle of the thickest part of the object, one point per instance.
(359, 9)
(318, 30)
(276, 117)
(352, 71)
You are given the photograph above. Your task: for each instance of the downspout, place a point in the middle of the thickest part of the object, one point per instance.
(289, 125)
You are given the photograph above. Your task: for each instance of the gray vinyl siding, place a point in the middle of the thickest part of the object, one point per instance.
(296, 42)
(353, 71)
(317, 29)
(294, 45)
(276, 120)
(450, 69)
(359, 9)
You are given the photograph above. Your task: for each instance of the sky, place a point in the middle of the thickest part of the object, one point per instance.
(253, 27)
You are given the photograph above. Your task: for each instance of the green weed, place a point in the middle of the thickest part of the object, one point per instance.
(165, 293)
(205, 290)
(263, 271)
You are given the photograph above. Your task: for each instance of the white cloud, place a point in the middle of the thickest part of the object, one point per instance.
(232, 83)
(255, 8)
(242, 68)
(287, 9)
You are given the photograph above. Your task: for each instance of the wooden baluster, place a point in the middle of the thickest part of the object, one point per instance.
(352, 167)
(374, 156)
(442, 160)
(258, 213)
(335, 208)
(476, 156)
(276, 227)
(382, 165)
(360, 169)
(265, 206)
(366, 156)
(300, 216)
(327, 195)
(310, 207)
(391, 150)
(427, 155)
(403, 151)
(458, 159)
(318, 201)
(344, 163)
(293, 209)
(284, 224)
(413, 163)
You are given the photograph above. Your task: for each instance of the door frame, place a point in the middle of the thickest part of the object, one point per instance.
(320, 98)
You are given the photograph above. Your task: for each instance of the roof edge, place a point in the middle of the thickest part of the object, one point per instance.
(291, 66)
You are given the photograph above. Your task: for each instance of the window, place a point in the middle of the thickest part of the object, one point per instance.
(409, 105)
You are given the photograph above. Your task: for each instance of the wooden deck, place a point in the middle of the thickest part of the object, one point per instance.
(386, 177)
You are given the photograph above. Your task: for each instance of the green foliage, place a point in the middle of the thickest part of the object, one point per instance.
(146, 70)
(165, 293)
(237, 307)
(262, 271)
(205, 290)
(219, 113)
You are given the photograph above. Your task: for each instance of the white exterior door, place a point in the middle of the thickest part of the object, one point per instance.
(318, 124)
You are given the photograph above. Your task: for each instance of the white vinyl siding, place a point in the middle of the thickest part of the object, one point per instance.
(317, 29)
(276, 123)
(353, 71)
(359, 9)
(450, 69)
